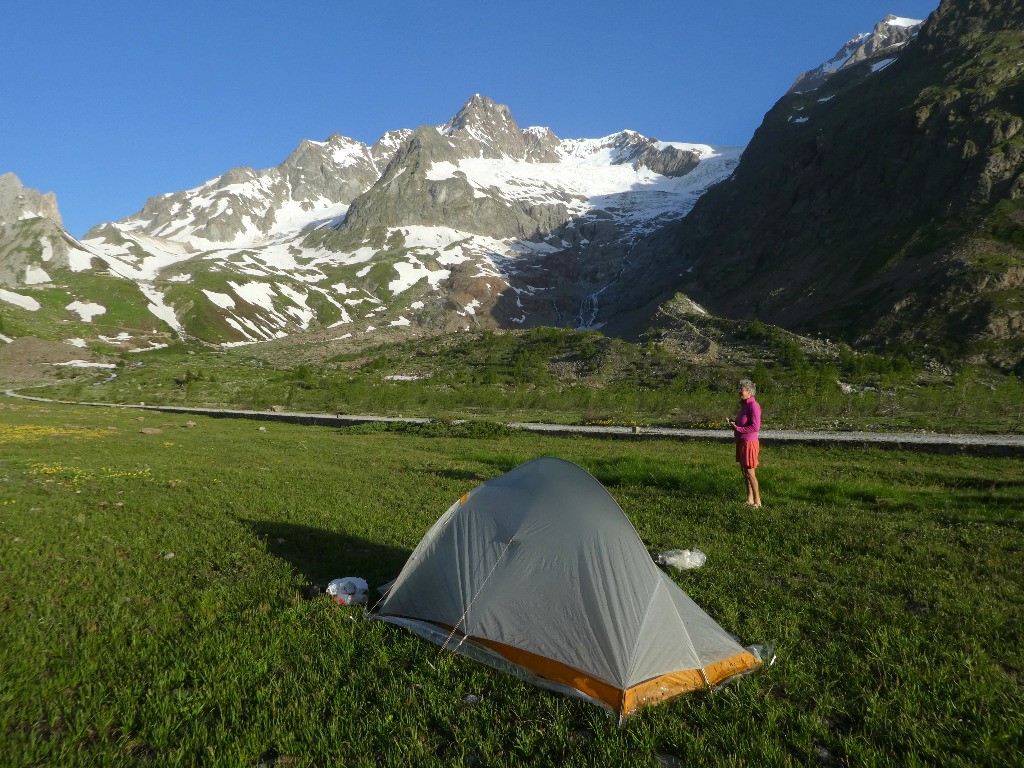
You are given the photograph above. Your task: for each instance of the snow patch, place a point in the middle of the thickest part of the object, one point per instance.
(25, 302)
(86, 364)
(899, 21)
(160, 309)
(237, 343)
(86, 311)
(36, 276)
(260, 294)
(47, 248)
(152, 345)
(447, 259)
(79, 260)
(301, 311)
(410, 273)
(222, 300)
(441, 171)
(705, 151)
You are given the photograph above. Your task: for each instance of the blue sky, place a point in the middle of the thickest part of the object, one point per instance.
(108, 103)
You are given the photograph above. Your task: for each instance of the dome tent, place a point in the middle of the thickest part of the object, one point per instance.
(539, 571)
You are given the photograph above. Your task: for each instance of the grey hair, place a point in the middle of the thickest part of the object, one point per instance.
(748, 385)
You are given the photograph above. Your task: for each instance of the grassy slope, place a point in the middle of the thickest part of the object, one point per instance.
(564, 376)
(125, 309)
(175, 629)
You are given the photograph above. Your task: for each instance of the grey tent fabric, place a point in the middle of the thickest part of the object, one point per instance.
(543, 560)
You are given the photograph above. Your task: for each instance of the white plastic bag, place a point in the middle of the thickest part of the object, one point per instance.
(350, 590)
(683, 559)
(763, 653)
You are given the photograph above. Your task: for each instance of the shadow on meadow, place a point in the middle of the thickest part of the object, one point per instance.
(978, 483)
(320, 556)
(462, 475)
(713, 480)
(972, 501)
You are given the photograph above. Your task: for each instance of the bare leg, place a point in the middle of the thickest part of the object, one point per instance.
(753, 489)
(750, 491)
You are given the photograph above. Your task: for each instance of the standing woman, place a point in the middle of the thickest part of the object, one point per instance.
(745, 429)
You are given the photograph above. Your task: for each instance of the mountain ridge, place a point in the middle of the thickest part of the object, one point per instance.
(474, 222)
(880, 201)
(882, 207)
(887, 38)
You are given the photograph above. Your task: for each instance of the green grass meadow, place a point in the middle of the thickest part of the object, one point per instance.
(156, 604)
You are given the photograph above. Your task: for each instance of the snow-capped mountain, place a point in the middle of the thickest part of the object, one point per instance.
(881, 46)
(474, 222)
(243, 207)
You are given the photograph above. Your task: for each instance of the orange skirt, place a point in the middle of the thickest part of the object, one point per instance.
(747, 452)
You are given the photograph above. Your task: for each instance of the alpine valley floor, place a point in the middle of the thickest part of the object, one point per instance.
(158, 600)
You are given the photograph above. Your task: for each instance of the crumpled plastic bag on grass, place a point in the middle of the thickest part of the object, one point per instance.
(350, 590)
(763, 653)
(683, 559)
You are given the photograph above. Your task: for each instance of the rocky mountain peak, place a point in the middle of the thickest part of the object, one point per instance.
(483, 128)
(887, 39)
(33, 242)
(541, 145)
(238, 175)
(18, 202)
(386, 146)
(481, 113)
(249, 205)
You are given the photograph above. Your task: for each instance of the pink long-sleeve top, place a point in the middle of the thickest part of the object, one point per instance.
(748, 421)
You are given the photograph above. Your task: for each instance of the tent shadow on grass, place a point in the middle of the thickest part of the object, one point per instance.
(462, 475)
(697, 480)
(321, 555)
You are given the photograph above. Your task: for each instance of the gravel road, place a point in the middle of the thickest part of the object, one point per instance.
(984, 445)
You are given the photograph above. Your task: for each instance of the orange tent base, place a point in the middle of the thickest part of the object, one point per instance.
(622, 701)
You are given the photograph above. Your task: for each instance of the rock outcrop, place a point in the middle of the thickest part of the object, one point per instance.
(18, 202)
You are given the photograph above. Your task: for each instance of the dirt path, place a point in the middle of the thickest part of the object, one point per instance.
(983, 445)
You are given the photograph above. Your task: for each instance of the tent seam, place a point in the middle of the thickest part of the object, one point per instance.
(686, 634)
(639, 635)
